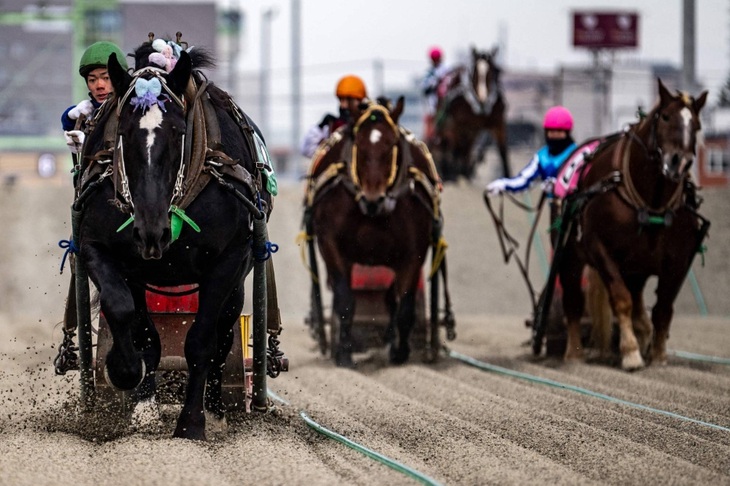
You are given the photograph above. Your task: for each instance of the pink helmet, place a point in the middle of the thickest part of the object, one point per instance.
(435, 53)
(558, 118)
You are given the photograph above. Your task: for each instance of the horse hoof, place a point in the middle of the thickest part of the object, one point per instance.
(122, 378)
(190, 433)
(430, 356)
(216, 426)
(399, 356)
(146, 416)
(344, 360)
(574, 356)
(632, 361)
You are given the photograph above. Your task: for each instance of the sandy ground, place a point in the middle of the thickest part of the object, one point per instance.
(452, 422)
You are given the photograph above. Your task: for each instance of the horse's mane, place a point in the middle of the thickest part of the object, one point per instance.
(200, 56)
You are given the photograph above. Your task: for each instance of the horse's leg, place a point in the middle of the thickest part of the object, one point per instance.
(344, 309)
(146, 340)
(622, 305)
(643, 328)
(230, 315)
(404, 319)
(571, 270)
(391, 303)
(125, 366)
(201, 342)
(500, 136)
(668, 287)
(406, 283)
(599, 310)
(214, 386)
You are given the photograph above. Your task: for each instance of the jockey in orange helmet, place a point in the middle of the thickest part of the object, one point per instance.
(350, 92)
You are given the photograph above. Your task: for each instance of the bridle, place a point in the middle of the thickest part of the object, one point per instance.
(654, 152)
(370, 113)
(118, 157)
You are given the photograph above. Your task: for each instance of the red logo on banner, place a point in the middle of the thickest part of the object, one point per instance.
(605, 30)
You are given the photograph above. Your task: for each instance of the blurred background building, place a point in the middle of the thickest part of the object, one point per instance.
(41, 42)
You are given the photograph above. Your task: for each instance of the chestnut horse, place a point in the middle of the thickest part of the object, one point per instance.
(373, 199)
(473, 103)
(635, 216)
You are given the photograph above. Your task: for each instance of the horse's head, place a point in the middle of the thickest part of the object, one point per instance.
(149, 147)
(375, 156)
(676, 124)
(484, 73)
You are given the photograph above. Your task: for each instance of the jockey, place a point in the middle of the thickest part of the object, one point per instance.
(350, 92)
(547, 161)
(436, 72)
(93, 69)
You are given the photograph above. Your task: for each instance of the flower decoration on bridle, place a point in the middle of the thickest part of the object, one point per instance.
(167, 52)
(148, 94)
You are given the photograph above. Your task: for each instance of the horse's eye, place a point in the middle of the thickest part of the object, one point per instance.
(665, 117)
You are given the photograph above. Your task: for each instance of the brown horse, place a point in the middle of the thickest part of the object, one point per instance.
(473, 103)
(374, 199)
(635, 216)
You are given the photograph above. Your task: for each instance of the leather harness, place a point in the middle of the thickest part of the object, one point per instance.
(202, 154)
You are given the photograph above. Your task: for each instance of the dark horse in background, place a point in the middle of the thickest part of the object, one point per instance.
(635, 216)
(472, 105)
(374, 199)
(158, 216)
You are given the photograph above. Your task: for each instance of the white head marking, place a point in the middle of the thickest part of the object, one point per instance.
(150, 120)
(375, 136)
(482, 68)
(686, 126)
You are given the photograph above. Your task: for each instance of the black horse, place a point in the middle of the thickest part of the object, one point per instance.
(168, 192)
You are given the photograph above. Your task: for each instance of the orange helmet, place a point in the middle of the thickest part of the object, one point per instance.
(351, 87)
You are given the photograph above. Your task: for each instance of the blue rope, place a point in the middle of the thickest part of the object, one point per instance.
(265, 254)
(70, 247)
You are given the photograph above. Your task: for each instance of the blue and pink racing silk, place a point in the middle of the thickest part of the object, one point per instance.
(543, 165)
(569, 174)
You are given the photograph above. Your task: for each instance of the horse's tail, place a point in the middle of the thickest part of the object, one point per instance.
(599, 310)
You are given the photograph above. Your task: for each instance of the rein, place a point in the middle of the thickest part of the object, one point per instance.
(509, 244)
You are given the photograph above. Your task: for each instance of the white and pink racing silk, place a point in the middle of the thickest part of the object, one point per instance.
(567, 179)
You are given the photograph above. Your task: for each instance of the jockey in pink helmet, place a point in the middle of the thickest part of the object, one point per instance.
(437, 71)
(558, 118)
(546, 163)
(435, 54)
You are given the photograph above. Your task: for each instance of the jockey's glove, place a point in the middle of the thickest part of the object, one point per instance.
(548, 185)
(496, 187)
(83, 108)
(327, 120)
(74, 140)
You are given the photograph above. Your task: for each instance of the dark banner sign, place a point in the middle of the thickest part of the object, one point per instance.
(605, 29)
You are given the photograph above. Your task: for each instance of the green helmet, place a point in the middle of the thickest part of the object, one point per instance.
(97, 55)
